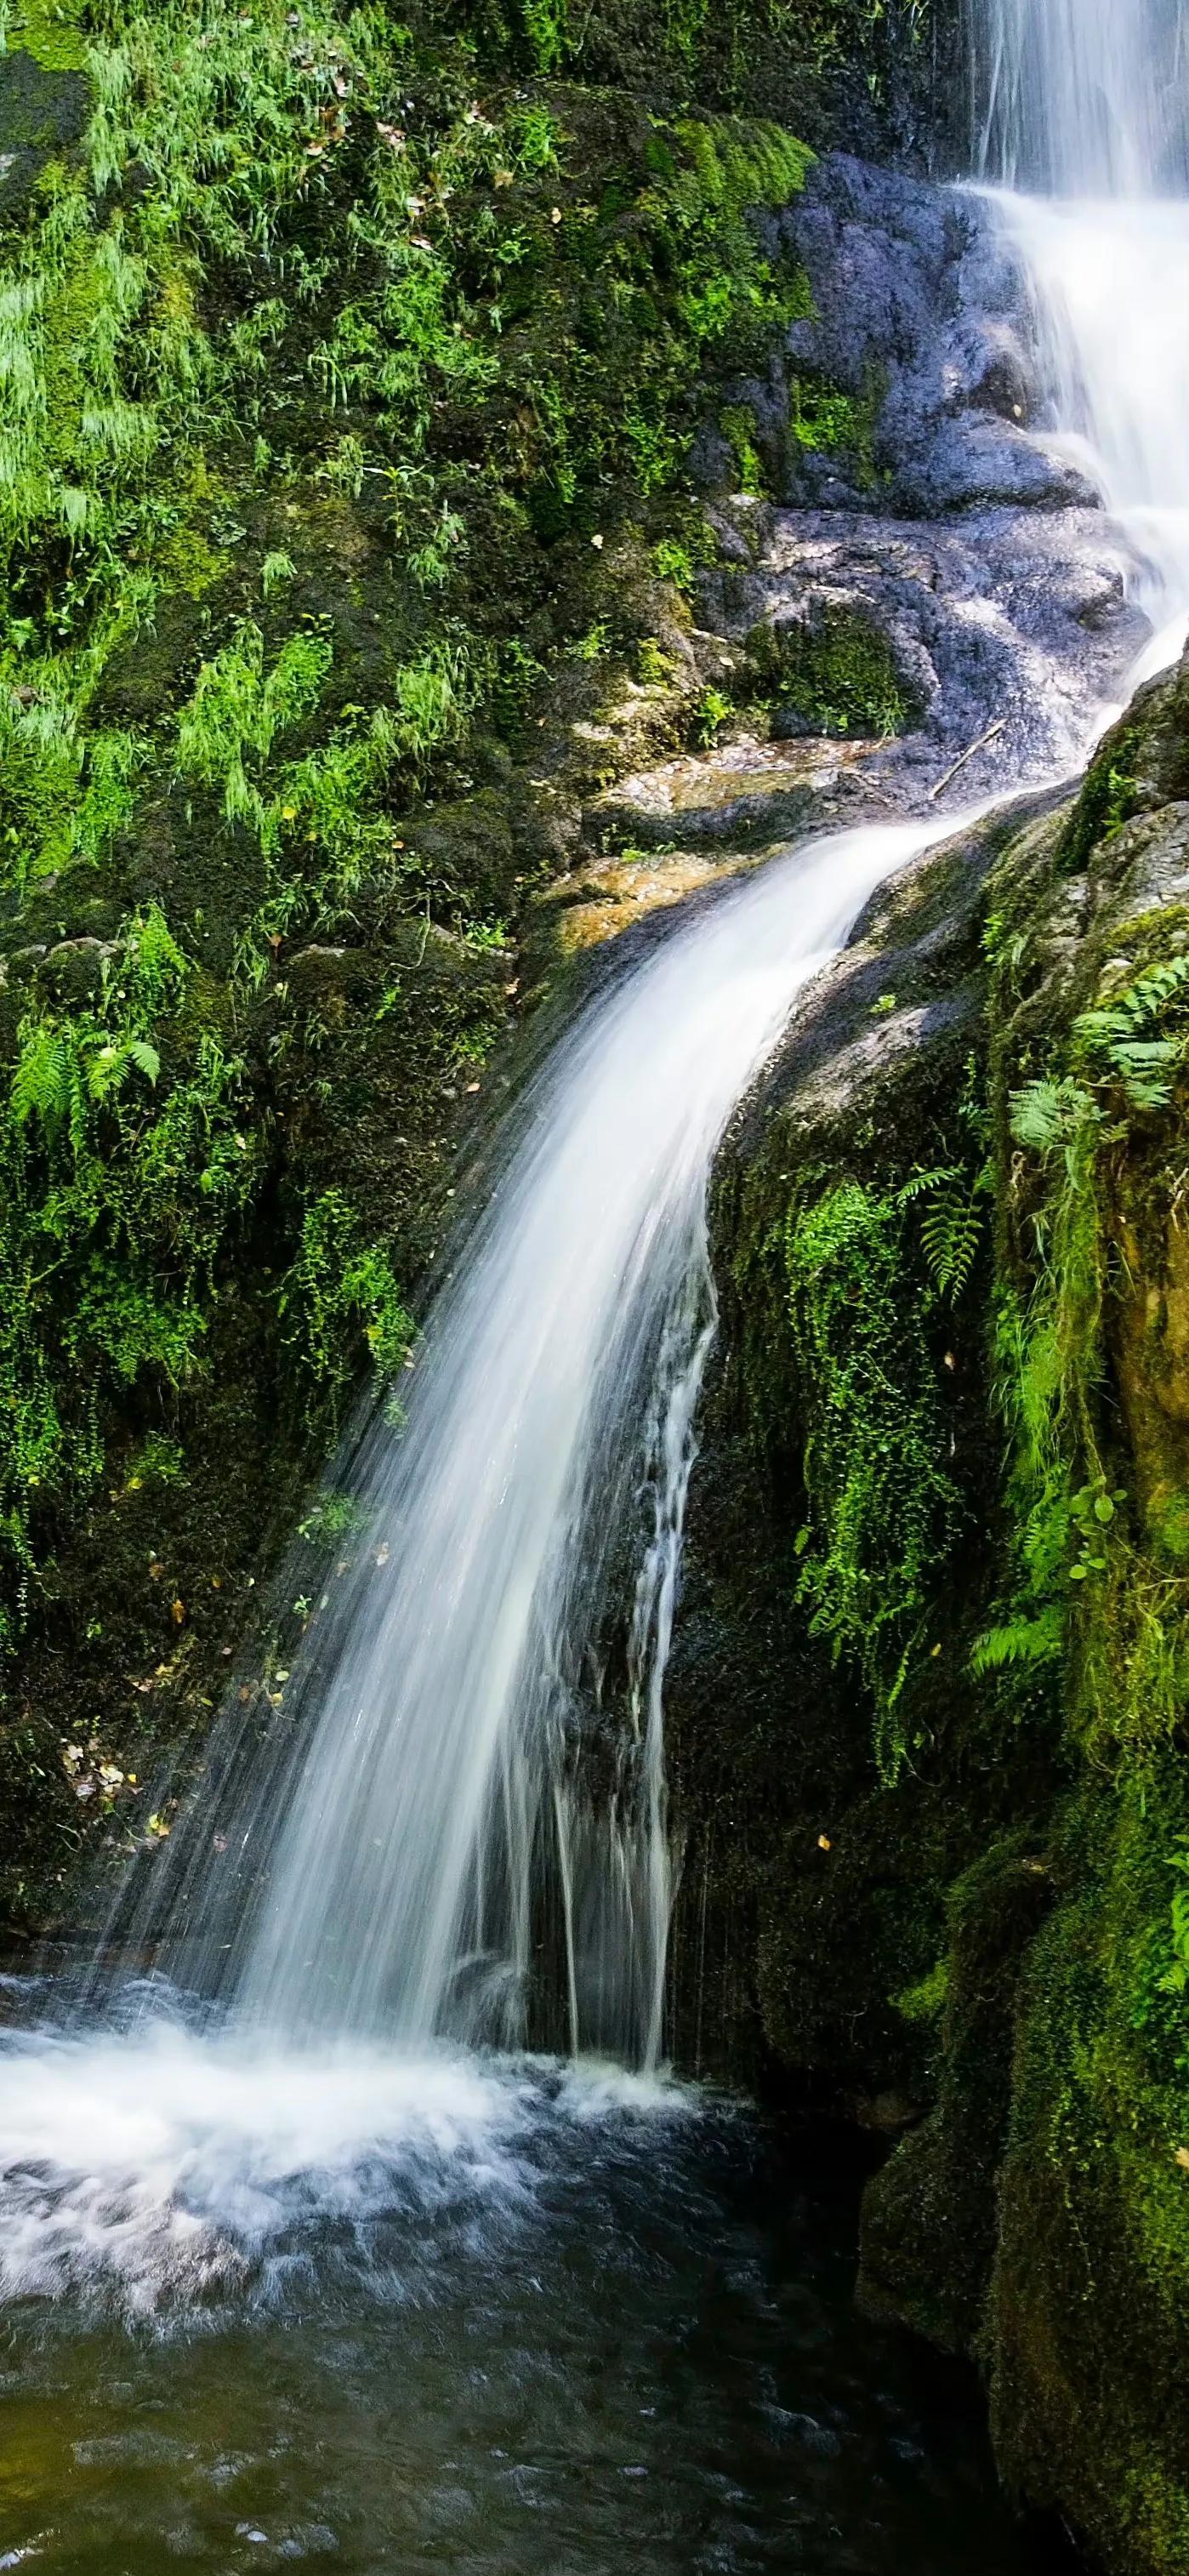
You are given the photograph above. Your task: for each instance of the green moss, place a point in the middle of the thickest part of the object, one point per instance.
(926, 2001)
(1095, 2238)
(882, 1512)
(52, 31)
(837, 671)
(834, 423)
(1106, 802)
(738, 427)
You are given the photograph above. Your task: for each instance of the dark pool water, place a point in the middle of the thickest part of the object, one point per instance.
(266, 2308)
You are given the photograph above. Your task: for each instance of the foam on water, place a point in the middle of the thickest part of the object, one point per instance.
(161, 2162)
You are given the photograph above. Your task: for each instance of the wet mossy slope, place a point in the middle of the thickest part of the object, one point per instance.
(929, 1702)
(350, 361)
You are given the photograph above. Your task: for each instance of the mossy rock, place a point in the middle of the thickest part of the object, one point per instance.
(43, 112)
(833, 672)
(930, 2221)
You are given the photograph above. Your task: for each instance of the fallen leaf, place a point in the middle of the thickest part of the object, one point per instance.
(824, 1843)
(177, 1612)
(1183, 2157)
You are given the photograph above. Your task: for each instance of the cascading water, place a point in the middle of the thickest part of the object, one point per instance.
(471, 1777)
(454, 1791)
(1084, 127)
(1083, 98)
(442, 1788)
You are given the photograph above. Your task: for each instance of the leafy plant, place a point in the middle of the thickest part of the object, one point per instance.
(340, 1286)
(712, 712)
(883, 1510)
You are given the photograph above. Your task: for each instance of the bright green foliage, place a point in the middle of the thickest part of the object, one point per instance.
(125, 1166)
(312, 347)
(883, 1510)
(546, 24)
(712, 712)
(827, 421)
(1087, 1587)
(1113, 1041)
(338, 1287)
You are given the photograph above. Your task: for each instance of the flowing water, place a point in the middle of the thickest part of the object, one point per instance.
(325, 2265)
(441, 1794)
(1084, 108)
(382, 2315)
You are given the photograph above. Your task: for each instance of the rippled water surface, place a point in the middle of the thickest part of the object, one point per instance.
(484, 2315)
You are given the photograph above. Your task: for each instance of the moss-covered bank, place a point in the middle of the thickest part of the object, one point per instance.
(938, 1816)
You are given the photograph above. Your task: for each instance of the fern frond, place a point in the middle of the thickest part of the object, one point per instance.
(950, 1235)
(1044, 1113)
(1020, 1641)
(920, 1184)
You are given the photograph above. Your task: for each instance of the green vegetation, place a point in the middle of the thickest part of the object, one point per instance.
(338, 1282)
(883, 1512)
(122, 1184)
(830, 422)
(837, 671)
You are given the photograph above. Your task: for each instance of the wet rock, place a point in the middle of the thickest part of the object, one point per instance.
(921, 310)
(1018, 620)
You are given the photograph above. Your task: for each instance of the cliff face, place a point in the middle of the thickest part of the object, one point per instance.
(929, 1708)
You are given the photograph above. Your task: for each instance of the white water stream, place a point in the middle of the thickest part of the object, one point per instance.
(448, 1765)
(1085, 134)
(552, 1404)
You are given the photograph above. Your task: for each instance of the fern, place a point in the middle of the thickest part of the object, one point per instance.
(1112, 1037)
(950, 1234)
(1045, 1114)
(952, 1227)
(919, 1184)
(1020, 1641)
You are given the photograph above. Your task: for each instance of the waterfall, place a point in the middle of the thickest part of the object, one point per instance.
(1083, 98)
(456, 1781)
(1088, 101)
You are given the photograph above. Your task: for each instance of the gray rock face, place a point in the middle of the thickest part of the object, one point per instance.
(1000, 618)
(921, 306)
(943, 515)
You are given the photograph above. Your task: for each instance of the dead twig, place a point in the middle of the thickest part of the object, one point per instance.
(968, 754)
